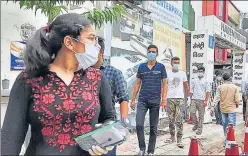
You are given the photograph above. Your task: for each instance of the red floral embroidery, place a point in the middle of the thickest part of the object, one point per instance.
(48, 98)
(85, 129)
(47, 131)
(69, 105)
(64, 139)
(54, 102)
(87, 96)
(91, 75)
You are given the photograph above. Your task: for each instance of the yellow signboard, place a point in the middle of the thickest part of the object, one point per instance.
(233, 13)
(170, 43)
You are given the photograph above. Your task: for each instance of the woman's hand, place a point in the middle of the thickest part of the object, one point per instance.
(97, 150)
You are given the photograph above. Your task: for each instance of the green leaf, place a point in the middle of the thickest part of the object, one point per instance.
(53, 8)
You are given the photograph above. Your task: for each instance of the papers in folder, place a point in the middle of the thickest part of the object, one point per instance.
(108, 135)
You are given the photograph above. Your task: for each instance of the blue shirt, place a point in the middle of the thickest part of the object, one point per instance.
(117, 83)
(151, 81)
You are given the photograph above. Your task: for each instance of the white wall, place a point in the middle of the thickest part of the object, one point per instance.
(11, 19)
(197, 5)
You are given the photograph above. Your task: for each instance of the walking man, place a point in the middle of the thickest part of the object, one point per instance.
(151, 81)
(244, 90)
(177, 84)
(200, 91)
(228, 95)
(117, 84)
(217, 82)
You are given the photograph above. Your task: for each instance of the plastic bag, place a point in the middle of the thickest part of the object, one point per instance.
(105, 135)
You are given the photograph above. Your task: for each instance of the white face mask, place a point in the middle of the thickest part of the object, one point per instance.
(89, 57)
(175, 67)
(200, 75)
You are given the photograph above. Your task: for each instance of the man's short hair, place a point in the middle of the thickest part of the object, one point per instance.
(218, 73)
(201, 68)
(226, 76)
(175, 59)
(101, 42)
(153, 46)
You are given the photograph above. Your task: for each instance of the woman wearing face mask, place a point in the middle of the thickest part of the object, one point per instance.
(58, 94)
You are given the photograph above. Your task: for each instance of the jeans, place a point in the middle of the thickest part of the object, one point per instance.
(142, 108)
(244, 107)
(227, 119)
(218, 114)
(113, 152)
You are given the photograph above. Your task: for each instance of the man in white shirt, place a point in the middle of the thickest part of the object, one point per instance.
(200, 91)
(177, 84)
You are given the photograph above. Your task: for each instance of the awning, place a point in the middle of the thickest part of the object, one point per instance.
(225, 36)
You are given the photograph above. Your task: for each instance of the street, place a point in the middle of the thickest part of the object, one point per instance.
(211, 139)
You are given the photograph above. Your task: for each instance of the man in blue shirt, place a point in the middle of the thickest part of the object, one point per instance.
(118, 86)
(152, 84)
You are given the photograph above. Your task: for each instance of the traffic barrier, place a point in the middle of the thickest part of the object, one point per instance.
(193, 148)
(190, 119)
(230, 133)
(233, 150)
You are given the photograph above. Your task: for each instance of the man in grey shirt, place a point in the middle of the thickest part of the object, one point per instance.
(200, 91)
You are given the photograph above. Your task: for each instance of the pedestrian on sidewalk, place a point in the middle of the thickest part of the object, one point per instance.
(118, 87)
(200, 91)
(244, 90)
(152, 83)
(177, 84)
(59, 94)
(218, 80)
(229, 97)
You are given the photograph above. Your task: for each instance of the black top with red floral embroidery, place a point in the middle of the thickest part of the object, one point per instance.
(56, 112)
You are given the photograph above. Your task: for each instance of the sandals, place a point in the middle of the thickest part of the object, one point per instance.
(170, 140)
(180, 145)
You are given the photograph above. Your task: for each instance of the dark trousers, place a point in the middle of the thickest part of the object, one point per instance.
(113, 152)
(218, 114)
(244, 107)
(142, 108)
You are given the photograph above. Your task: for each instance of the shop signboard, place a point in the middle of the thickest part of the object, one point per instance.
(239, 58)
(222, 30)
(198, 51)
(170, 43)
(202, 53)
(233, 13)
(228, 33)
(167, 12)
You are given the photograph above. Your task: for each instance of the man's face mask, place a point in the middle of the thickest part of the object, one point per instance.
(200, 74)
(89, 57)
(151, 55)
(175, 67)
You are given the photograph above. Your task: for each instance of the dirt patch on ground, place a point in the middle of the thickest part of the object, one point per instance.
(214, 147)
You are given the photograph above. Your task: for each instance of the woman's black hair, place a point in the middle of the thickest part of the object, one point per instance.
(47, 41)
